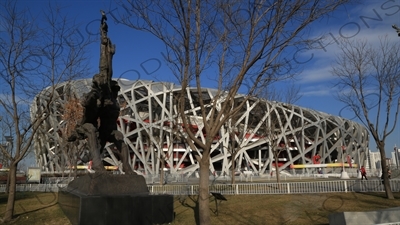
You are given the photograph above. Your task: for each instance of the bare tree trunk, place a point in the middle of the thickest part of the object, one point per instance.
(233, 156)
(386, 183)
(204, 195)
(11, 193)
(162, 170)
(8, 183)
(75, 168)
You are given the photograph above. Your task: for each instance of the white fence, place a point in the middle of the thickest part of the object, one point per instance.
(280, 188)
(248, 188)
(35, 187)
(269, 176)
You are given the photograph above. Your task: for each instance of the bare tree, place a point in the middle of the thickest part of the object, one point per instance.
(289, 95)
(368, 82)
(276, 144)
(245, 131)
(277, 140)
(33, 60)
(236, 44)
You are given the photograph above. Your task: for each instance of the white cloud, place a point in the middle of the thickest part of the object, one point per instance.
(350, 22)
(315, 75)
(318, 90)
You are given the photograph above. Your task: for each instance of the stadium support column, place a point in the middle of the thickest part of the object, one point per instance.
(344, 174)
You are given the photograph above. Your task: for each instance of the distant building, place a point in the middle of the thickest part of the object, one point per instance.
(374, 160)
(395, 161)
(150, 124)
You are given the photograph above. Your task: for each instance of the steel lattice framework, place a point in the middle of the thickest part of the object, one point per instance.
(152, 131)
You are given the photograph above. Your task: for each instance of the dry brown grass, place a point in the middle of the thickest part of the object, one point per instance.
(35, 208)
(42, 208)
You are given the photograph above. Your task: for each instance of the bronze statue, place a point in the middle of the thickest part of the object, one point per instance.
(101, 109)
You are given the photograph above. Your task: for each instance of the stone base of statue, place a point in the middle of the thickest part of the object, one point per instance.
(104, 198)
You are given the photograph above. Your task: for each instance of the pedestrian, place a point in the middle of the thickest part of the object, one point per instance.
(363, 173)
(316, 159)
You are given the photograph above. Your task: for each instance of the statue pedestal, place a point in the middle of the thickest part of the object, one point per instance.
(103, 198)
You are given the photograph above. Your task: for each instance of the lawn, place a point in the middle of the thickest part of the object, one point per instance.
(42, 208)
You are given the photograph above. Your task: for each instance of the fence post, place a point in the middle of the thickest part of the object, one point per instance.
(288, 188)
(345, 186)
(237, 189)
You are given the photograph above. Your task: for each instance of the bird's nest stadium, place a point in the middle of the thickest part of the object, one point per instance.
(148, 114)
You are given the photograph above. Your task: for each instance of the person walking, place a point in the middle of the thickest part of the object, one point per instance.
(363, 173)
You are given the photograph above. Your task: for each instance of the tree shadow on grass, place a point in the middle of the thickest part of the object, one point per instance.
(35, 210)
(192, 202)
(371, 198)
(18, 216)
(375, 194)
(19, 195)
(188, 201)
(3, 198)
(30, 199)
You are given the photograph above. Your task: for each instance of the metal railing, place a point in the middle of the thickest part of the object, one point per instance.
(281, 188)
(35, 187)
(247, 188)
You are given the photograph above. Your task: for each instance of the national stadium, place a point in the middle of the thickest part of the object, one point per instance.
(148, 121)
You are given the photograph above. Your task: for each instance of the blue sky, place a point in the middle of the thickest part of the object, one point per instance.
(139, 55)
(316, 80)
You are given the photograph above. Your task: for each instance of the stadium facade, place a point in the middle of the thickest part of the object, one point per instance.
(148, 122)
